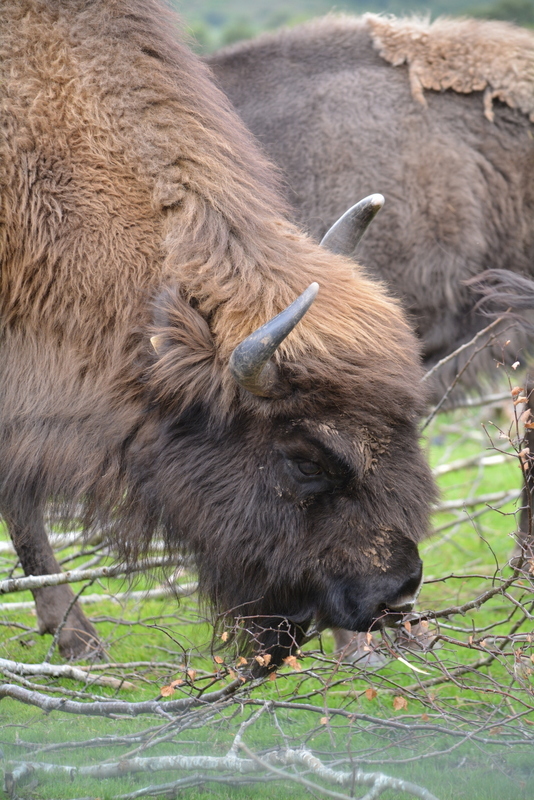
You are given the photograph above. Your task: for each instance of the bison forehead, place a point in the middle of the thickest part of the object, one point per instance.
(354, 445)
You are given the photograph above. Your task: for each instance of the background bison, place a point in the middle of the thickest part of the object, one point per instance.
(445, 135)
(136, 207)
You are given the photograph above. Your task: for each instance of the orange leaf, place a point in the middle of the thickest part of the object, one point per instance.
(177, 682)
(192, 674)
(166, 691)
(425, 717)
(241, 661)
(267, 658)
(292, 662)
(408, 626)
(272, 676)
(516, 390)
(323, 720)
(399, 703)
(218, 660)
(371, 693)
(224, 636)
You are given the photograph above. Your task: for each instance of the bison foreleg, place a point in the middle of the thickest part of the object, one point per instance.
(54, 604)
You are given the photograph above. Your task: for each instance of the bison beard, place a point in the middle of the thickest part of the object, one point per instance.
(136, 210)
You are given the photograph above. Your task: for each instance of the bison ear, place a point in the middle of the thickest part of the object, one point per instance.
(345, 234)
(185, 370)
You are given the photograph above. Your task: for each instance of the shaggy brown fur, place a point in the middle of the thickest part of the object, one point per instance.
(464, 55)
(134, 203)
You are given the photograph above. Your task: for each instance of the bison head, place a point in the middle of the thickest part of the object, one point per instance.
(298, 485)
(289, 465)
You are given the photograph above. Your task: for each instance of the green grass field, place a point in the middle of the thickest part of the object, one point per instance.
(457, 719)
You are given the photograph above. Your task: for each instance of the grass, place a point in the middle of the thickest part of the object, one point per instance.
(456, 737)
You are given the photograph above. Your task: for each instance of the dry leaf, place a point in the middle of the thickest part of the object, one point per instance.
(519, 400)
(399, 703)
(224, 636)
(267, 659)
(371, 693)
(218, 660)
(292, 662)
(177, 682)
(166, 691)
(260, 660)
(241, 661)
(368, 637)
(425, 717)
(323, 720)
(516, 390)
(408, 626)
(525, 415)
(516, 364)
(192, 674)
(272, 676)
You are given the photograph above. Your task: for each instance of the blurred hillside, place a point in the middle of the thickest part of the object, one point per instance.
(214, 23)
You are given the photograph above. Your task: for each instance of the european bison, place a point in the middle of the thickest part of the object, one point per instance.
(135, 206)
(436, 117)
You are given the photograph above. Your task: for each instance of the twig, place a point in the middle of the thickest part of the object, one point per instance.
(75, 575)
(63, 671)
(462, 348)
(107, 708)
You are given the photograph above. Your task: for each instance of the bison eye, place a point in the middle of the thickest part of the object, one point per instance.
(309, 468)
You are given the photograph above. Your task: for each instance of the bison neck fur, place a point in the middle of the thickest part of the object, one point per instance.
(135, 204)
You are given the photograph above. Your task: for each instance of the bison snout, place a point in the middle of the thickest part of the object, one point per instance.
(406, 596)
(391, 612)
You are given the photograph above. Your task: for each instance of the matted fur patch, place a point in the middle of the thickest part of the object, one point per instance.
(465, 55)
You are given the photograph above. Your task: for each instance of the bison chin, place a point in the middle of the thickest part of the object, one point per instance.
(275, 638)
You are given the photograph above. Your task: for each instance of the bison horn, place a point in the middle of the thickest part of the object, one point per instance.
(345, 234)
(250, 362)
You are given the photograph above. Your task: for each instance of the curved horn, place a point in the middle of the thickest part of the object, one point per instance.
(250, 362)
(345, 234)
